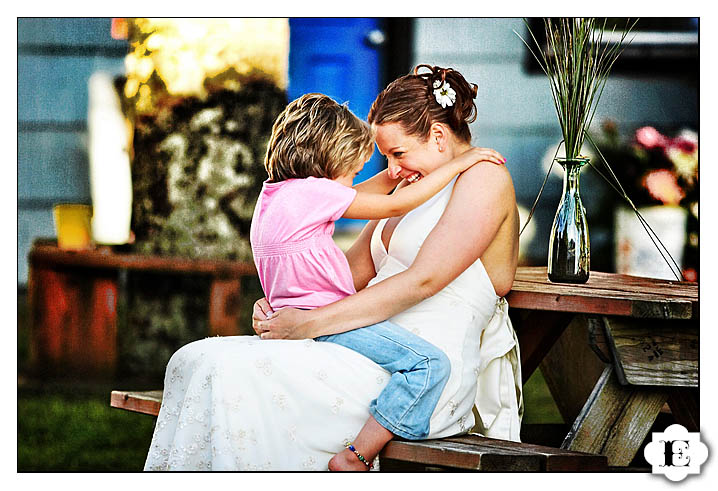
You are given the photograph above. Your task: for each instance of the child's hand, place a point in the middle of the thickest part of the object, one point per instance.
(476, 155)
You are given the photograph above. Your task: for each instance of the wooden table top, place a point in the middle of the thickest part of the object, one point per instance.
(606, 294)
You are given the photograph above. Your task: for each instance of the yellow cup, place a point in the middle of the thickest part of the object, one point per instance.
(72, 226)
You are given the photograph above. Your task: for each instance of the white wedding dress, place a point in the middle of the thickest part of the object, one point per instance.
(243, 403)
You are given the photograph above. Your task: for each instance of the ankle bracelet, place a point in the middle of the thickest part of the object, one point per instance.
(359, 456)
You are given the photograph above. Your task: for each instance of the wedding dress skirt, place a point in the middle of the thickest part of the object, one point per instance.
(243, 403)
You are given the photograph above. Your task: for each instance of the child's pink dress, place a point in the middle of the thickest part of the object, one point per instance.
(298, 263)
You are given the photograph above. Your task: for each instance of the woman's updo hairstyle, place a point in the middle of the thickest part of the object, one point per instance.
(410, 101)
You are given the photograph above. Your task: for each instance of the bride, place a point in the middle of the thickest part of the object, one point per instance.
(281, 401)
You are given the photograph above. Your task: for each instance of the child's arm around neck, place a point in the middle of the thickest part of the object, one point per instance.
(375, 206)
(379, 183)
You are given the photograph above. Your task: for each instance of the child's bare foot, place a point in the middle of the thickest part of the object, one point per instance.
(346, 460)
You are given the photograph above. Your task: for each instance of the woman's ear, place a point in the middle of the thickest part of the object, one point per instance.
(439, 135)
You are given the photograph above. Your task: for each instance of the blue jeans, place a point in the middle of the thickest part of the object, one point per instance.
(419, 371)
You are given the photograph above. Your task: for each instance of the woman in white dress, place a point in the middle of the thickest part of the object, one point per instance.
(282, 401)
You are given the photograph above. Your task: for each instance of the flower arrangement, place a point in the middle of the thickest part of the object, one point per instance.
(652, 167)
(656, 169)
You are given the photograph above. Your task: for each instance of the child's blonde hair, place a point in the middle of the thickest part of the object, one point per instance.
(315, 136)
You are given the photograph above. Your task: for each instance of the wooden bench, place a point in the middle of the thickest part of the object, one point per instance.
(468, 452)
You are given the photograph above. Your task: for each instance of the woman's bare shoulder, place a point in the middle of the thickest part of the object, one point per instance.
(488, 180)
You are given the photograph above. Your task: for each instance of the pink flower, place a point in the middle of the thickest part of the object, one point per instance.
(690, 274)
(684, 144)
(663, 186)
(682, 151)
(650, 137)
(686, 140)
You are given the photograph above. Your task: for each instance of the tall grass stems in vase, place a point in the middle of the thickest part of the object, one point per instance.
(577, 61)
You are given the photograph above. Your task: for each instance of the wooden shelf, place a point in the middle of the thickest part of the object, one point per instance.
(46, 252)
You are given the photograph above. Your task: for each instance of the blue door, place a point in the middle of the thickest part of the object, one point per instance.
(336, 57)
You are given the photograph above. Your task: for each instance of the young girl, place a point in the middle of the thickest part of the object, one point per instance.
(316, 149)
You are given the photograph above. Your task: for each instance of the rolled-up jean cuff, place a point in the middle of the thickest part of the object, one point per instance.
(393, 428)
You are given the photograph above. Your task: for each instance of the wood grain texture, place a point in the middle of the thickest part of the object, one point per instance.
(537, 331)
(47, 252)
(474, 452)
(605, 294)
(616, 282)
(615, 419)
(552, 459)
(461, 456)
(147, 402)
(224, 307)
(571, 369)
(654, 352)
(685, 407)
(73, 322)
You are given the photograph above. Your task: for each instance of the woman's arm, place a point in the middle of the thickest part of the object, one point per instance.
(462, 234)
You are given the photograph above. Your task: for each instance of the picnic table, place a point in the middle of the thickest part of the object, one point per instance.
(643, 332)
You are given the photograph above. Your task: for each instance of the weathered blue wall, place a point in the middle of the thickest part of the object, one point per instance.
(55, 60)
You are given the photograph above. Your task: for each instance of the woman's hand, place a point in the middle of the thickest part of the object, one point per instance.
(287, 323)
(260, 312)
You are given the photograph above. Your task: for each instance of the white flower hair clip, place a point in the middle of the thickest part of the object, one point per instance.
(445, 95)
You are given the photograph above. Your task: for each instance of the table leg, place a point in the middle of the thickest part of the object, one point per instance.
(571, 368)
(224, 306)
(685, 407)
(537, 331)
(73, 321)
(615, 419)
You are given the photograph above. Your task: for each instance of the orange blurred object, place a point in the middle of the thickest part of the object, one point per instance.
(662, 185)
(119, 28)
(72, 226)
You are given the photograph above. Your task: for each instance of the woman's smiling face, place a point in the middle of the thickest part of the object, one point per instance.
(408, 157)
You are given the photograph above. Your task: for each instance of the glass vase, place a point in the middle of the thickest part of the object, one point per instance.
(569, 250)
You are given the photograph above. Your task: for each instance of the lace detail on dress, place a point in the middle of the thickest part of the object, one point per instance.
(265, 365)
